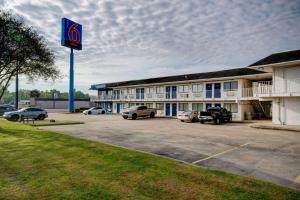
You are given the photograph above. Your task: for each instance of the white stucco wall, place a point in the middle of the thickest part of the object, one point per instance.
(281, 76)
(286, 110)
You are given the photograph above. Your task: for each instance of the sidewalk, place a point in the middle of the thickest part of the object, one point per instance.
(269, 125)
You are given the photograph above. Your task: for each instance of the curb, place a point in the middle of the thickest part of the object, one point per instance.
(274, 128)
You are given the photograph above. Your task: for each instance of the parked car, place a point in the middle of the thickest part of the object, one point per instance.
(188, 116)
(216, 114)
(138, 111)
(6, 108)
(94, 111)
(34, 113)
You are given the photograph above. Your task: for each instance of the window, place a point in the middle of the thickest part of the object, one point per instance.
(149, 105)
(159, 90)
(183, 107)
(233, 107)
(197, 88)
(131, 105)
(160, 106)
(231, 86)
(197, 107)
(149, 90)
(183, 88)
(142, 108)
(131, 91)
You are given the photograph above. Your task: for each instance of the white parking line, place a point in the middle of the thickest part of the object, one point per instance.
(209, 157)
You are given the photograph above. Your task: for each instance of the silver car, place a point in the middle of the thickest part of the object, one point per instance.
(32, 113)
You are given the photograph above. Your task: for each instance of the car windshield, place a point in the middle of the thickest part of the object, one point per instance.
(23, 109)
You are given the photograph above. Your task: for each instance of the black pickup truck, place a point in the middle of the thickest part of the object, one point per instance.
(216, 114)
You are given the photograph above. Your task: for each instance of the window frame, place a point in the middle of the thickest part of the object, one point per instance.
(228, 107)
(230, 86)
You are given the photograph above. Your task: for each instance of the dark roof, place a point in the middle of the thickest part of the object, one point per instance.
(279, 57)
(186, 77)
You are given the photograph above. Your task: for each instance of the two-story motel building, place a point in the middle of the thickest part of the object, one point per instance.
(269, 88)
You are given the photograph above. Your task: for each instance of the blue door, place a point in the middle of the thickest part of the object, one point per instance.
(167, 109)
(137, 93)
(174, 92)
(142, 93)
(217, 90)
(217, 105)
(118, 108)
(208, 105)
(174, 109)
(208, 90)
(168, 92)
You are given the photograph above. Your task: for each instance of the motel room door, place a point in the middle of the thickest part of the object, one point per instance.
(168, 92)
(174, 109)
(118, 108)
(168, 109)
(217, 90)
(209, 90)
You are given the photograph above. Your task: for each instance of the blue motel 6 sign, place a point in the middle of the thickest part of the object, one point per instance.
(71, 36)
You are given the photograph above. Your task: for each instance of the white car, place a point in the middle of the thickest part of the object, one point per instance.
(94, 111)
(188, 116)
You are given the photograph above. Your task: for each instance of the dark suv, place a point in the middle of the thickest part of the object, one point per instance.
(216, 114)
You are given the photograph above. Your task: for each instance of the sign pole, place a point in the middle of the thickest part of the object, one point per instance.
(71, 84)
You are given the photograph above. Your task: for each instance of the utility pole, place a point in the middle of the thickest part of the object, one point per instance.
(17, 91)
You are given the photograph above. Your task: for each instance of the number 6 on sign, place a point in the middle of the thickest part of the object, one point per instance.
(71, 34)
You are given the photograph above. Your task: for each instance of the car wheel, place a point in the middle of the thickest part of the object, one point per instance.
(103, 112)
(152, 115)
(125, 117)
(134, 116)
(14, 118)
(202, 121)
(182, 120)
(41, 117)
(194, 119)
(89, 112)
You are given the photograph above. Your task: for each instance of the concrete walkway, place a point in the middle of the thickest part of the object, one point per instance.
(269, 125)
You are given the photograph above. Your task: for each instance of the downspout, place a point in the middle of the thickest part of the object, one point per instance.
(279, 111)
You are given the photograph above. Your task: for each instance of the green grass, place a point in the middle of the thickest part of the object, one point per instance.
(38, 164)
(57, 122)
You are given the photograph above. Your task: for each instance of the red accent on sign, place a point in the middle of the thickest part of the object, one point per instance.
(73, 29)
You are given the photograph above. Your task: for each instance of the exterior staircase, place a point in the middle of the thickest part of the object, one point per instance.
(258, 109)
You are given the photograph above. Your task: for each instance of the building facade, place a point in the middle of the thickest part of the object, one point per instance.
(247, 92)
(285, 90)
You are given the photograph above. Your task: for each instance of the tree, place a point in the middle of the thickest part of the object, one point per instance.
(35, 93)
(23, 51)
(81, 95)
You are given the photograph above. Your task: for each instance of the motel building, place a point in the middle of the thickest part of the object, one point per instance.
(267, 89)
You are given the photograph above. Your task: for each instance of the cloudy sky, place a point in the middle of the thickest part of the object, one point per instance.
(133, 39)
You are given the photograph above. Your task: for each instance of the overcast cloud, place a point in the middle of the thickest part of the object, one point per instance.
(133, 39)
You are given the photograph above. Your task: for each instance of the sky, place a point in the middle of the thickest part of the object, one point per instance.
(135, 39)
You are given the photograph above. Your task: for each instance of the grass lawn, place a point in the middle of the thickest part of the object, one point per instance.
(37, 164)
(57, 122)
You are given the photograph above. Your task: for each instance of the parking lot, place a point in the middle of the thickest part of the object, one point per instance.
(264, 154)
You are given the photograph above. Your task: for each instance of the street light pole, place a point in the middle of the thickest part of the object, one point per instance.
(17, 91)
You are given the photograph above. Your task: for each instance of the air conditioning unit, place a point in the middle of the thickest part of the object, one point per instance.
(184, 95)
